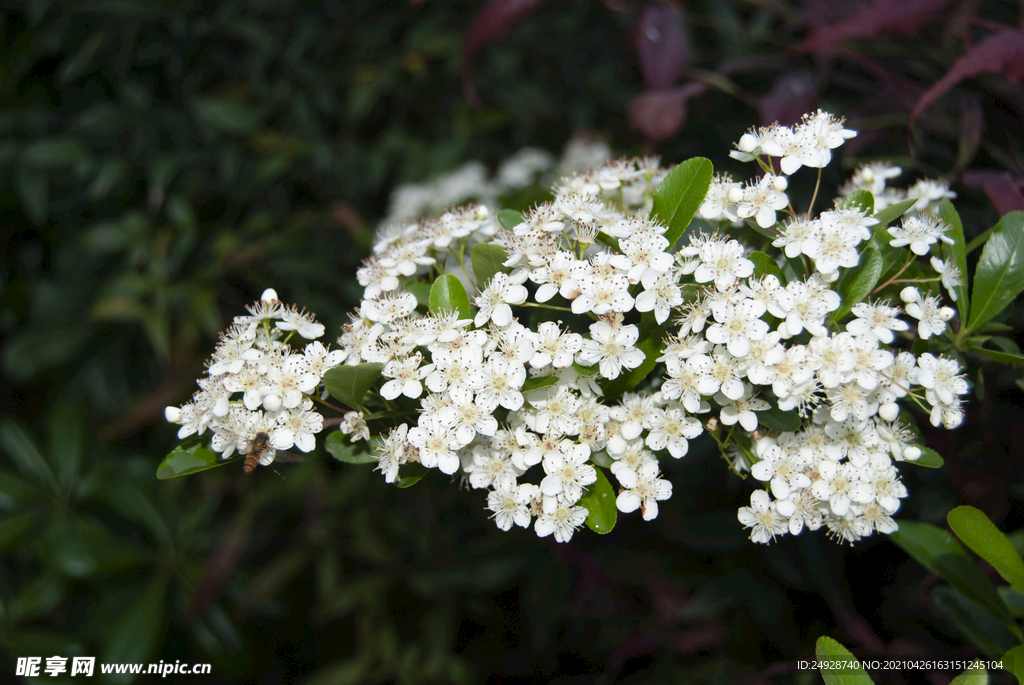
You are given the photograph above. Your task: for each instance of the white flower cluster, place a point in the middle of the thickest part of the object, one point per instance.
(472, 182)
(873, 178)
(257, 383)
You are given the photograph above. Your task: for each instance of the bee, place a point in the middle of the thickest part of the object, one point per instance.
(259, 447)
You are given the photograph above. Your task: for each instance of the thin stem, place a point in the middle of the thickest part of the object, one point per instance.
(896, 275)
(326, 403)
(545, 306)
(814, 197)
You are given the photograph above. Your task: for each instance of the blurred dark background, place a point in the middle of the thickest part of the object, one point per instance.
(161, 163)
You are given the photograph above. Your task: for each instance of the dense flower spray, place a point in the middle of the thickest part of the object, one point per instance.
(531, 354)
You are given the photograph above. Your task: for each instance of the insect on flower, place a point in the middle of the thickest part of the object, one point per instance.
(260, 450)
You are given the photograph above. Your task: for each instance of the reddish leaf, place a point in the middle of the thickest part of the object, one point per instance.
(662, 46)
(659, 115)
(489, 25)
(1001, 52)
(791, 96)
(1002, 189)
(876, 18)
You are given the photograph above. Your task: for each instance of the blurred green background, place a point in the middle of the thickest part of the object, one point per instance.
(161, 163)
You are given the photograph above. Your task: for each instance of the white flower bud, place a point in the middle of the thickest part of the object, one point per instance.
(910, 294)
(780, 183)
(172, 414)
(889, 411)
(735, 195)
(912, 453)
(748, 143)
(221, 407)
(271, 402)
(269, 295)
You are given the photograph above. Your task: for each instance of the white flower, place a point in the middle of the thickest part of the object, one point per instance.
(563, 521)
(670, 429)
(353, 423)
(762, 198)
(612, 349)
(723, 263)
(387, 309)
(738, 324)
(931, 314)
(783, 468)
(741, 410)
(941, 375)
(920, 232)
(507, 508)
(877, 319)
(405, 375)
(951, 277)
(437, 444)
(762, 517)
(603, 294)
(661, 293)
(559, 275)
(567, 471)
(500, 385)
(296, 427)
(645, 493)
(494, 301)
(555, 347)
(929, 194)
(716, 202)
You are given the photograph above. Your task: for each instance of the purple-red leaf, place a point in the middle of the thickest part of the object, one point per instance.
(1001, 52)
(791, 96)
(660, 114)
(1002, 189)
(876, 18)
(489, 25)
(662, 46)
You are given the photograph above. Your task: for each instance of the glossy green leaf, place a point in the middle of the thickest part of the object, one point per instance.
(998, 356)
(861, 199)
(33, 189)
(987, 632)
(956, 253)
(857, 283)
(136, 636)
(930, 459)
(348, 384)
(999, 276)
(1013, 661)
(137, 504)
(55, 153)
(892, 212)
(421, 291)
(227, 116)
(937, 551)
(13, 528)
(67, 440)
(599, 500)
(447, 294)
(409, 474)
(184, 461)
(976, 531)
(342, 449)
(538, 382)
(585, 371)
(488, 259)
(778, 420)
(509, 219)
(978, 676)
(22, 450)
(680, 194)
(828, 650)
(765, 265)
(39, 598)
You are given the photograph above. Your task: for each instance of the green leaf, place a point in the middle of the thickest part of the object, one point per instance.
(972, 676)
(509, 219)
(861, 200)
(680, 194)
(778, 420)
(22, 450)
(937, 551)
(13, 528)
(409, 474)
(135, 637)
(421, 291)
(828, 650)
(538, 382)
(930, 459)
(892, 212)
(999, 277)
(342, 449)
(956, 253)
(33, 188)
(764, 265)
(227, 116)
(488, 259)
(987, 632)
(447, 294)
(348, 384)
(976, 531)
(77, 65)
(184, 461)
(1013, 661)
(1005, 357)
(599, 500)
(585, 371)
(857, 283)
